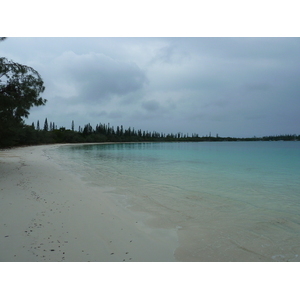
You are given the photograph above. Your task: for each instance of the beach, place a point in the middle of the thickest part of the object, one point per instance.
(48, 213)
(149, 203)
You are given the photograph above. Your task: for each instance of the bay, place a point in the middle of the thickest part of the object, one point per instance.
(230, 201)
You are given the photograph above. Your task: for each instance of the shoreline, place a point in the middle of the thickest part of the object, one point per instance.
(49, 214)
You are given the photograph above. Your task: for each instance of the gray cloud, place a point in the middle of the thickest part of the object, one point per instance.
(151, 105)
(258, 87)
(230, 86)
(96, 76)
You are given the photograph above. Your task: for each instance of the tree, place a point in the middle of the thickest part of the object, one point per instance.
(46, 125)
(20, 89)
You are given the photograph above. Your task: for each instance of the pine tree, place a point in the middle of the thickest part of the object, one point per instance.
(46, 125)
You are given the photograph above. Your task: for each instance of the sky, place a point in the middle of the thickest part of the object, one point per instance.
(132, 69)
(230, 86)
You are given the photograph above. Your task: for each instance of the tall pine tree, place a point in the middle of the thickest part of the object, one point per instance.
(46, 125)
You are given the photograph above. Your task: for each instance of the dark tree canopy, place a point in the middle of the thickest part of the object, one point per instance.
(20, 89)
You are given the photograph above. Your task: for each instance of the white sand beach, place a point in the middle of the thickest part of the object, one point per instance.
(49, 214)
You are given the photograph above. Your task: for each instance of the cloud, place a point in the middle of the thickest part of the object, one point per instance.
(241, 86)
(258, 87)
(170, 53)
(151, 106)
(95, 77)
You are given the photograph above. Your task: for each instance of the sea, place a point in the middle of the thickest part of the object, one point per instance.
(228, 201)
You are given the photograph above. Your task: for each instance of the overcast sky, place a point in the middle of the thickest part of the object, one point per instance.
(228, 86)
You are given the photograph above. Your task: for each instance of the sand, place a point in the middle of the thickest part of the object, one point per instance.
(49, 214)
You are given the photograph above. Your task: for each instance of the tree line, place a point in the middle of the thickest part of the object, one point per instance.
(48, 133)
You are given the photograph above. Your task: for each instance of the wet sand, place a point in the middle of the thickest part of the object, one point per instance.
(49, 214)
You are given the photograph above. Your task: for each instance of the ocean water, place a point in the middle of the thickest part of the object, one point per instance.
(230, 201)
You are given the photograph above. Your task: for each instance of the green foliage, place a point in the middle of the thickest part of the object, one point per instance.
(20, 89)
(46, 127)
(28, 135)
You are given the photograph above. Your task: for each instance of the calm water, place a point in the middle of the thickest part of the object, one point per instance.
(231, 201)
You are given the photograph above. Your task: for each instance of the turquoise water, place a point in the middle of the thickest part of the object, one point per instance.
(231, 201)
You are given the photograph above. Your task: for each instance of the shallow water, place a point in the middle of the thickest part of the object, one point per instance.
(230, 201)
